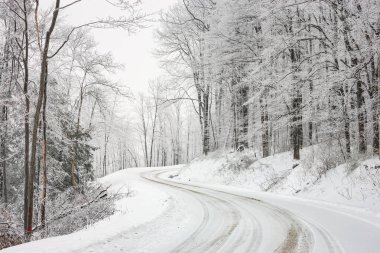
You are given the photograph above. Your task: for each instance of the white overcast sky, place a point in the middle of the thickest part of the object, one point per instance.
(134, 51)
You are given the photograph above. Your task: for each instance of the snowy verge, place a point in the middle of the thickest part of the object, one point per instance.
(143, 204)
(352, 185)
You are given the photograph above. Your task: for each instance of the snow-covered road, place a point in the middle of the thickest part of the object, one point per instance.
(171, 216)
(234, 223)
(236, 220)
(204, 218)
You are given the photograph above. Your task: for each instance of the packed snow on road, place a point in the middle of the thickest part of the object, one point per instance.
(168, 210)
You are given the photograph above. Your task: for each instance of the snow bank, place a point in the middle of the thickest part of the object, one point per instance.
(355, 185)
(142, 203)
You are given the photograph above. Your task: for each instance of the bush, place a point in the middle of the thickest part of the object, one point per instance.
(9, 239)
(10, 233)
(76, 209)
(66, 212)
(238, 162)
(328, 156)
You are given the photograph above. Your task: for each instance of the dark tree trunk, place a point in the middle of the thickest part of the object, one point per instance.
(373, 94)
(310, 133)
(218, 109)
(359, 85)
(43, 77)
(188, 144)
(378, 99)
(235, 142)
(264, 129)
(347, 135)
(361, 119)
(311, 115)
(206, 119)
(375, 143)
(27, 109)
(4, 116)
(296, 102)
(243, 118)
(297, 126)
(3, 157)
(105, 154)
(153, 131)
(44, 169)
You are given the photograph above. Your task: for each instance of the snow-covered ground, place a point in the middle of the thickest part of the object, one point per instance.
(355, 185)
(192, 209)
(330, 227)
(143, 204)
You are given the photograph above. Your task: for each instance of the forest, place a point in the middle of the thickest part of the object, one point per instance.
(266, 76)
(50, 74)
(241, 75)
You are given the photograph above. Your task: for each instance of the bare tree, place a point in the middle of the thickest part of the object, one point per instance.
(127, 23)
(183, 45)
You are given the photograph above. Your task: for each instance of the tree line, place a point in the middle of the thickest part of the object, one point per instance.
(277, 76)
(54, 99)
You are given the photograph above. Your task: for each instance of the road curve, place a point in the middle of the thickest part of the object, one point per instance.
(235, 223)
(164, 215)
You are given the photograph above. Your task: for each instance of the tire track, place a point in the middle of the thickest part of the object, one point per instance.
(243, 228)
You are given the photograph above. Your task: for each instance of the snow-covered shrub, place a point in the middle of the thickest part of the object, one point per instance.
(237, 162)
(328, 156)
(352, 164)
(9, 239)
(234, 164)
(10, 232)
(370, 173)
(76, 209)
(309, 164)
(271, 177)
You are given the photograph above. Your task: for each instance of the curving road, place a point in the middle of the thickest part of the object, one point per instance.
(204, 218)
(165, 215)
(235, 223)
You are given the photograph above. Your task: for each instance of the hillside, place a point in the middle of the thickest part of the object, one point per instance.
(356, 185)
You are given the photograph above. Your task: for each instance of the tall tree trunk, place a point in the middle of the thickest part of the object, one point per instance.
(206, 119)
(235, 142)
(27, 109)
(105, 155)
(378, 97)
(153, 132)
(219, 115)
(188, 143)
(359, 85)
(4, 113)
(297, 125)
(145, 132)
(296, 128)
(361, 115)
(296, 120)
(264, 128)
(311, 114)
(3, 156)
(243, 118)
(374, 93)
(347, 134)
(44, 169)
(375, 140)
(43, 77)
